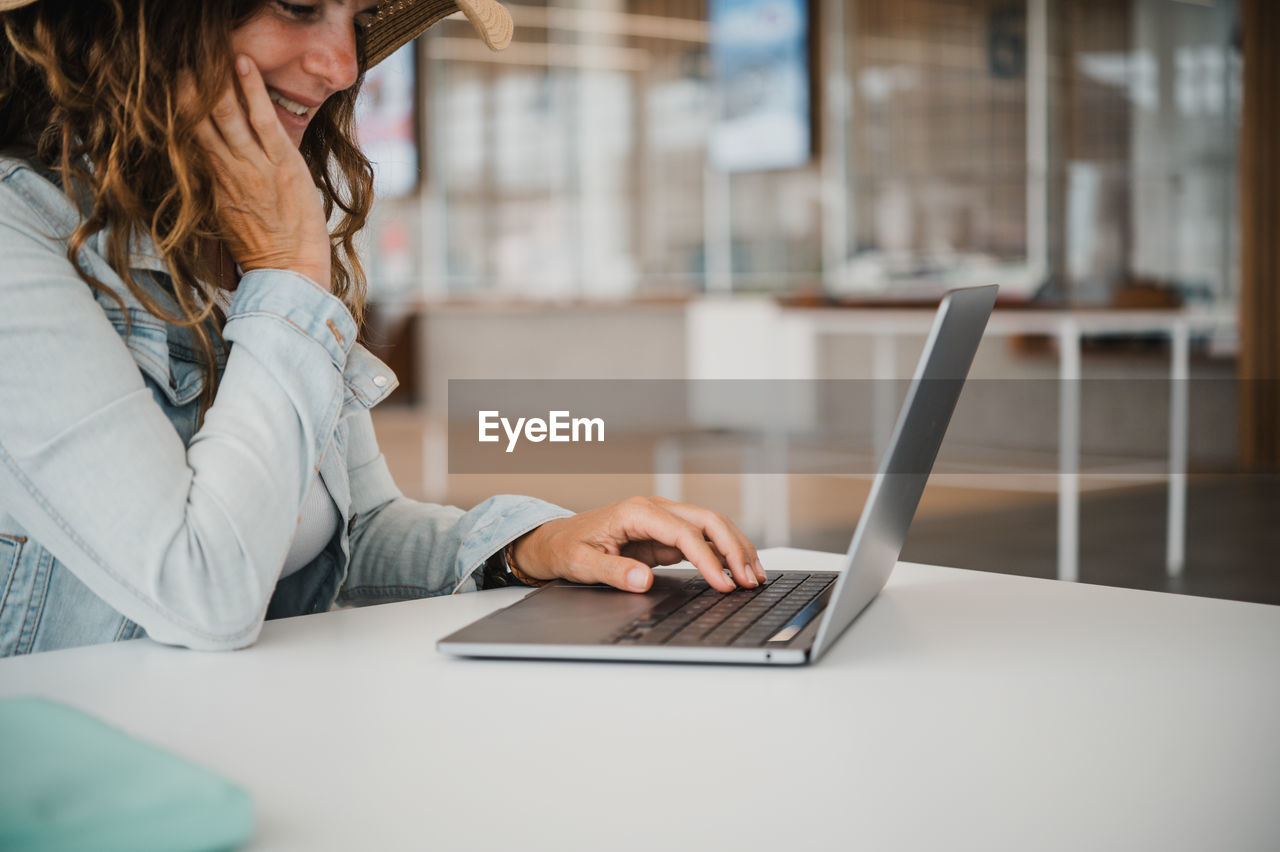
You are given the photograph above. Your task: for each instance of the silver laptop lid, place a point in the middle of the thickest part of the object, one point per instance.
(931, 398)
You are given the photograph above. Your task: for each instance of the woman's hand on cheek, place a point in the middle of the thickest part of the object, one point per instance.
(618, 545)
(268, 205)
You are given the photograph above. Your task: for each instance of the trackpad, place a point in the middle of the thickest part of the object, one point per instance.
(566, 614)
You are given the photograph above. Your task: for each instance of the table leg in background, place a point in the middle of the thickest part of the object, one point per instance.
(1069, 450)
(1179, 407)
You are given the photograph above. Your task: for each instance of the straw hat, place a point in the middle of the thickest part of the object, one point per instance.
(399, 21)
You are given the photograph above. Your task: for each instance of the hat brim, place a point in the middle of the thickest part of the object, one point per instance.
(400, 21)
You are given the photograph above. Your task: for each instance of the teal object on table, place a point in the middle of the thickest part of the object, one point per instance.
(69, 782)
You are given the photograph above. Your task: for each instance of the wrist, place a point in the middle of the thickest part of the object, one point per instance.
(318, 274)
(525, 558)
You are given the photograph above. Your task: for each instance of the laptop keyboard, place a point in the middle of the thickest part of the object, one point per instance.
(772, 613)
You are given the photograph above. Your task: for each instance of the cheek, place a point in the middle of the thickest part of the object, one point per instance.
(263, 41)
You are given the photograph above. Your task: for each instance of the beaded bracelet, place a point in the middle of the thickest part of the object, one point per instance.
(509, 560)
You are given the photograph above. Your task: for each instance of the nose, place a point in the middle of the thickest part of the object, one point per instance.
(332, 56)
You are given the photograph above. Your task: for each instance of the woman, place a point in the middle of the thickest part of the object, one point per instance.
(185, 442)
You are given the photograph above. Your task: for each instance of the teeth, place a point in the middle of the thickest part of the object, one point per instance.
(292, 106)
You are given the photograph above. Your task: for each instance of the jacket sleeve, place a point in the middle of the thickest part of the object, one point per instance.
(401, 548)
(185, 540)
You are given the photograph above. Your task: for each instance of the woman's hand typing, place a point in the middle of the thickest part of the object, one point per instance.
(620, 543)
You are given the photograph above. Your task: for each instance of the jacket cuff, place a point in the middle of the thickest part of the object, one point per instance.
(296, 301)
(512, 517)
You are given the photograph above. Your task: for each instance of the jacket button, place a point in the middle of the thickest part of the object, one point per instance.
(380, 381)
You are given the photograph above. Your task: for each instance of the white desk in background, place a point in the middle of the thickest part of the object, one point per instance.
(962, 711)
(794, 335)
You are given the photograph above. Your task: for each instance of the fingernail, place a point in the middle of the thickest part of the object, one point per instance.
(638, 579)
(242, 65)
(752, 582)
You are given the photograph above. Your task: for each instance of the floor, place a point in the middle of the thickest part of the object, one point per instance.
(1232, 547)
(1233, 521)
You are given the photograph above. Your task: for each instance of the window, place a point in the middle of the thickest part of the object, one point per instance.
(1072, 149)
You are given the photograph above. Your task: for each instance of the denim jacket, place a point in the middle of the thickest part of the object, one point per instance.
(120, 518)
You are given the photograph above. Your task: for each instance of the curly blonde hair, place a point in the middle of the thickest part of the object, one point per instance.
(93, 98)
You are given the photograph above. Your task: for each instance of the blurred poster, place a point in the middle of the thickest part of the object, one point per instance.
(385, 124)
(760, 60)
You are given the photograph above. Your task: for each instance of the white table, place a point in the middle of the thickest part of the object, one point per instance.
(962, 711)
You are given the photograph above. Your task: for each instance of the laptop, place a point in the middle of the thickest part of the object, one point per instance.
(795, 616)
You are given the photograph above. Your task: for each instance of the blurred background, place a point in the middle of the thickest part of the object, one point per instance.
(782, 189)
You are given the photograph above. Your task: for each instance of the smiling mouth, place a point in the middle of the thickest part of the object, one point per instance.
(288, 105)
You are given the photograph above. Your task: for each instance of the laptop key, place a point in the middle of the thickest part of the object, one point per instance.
(657, 636)
(673, 602)
(788, 580)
